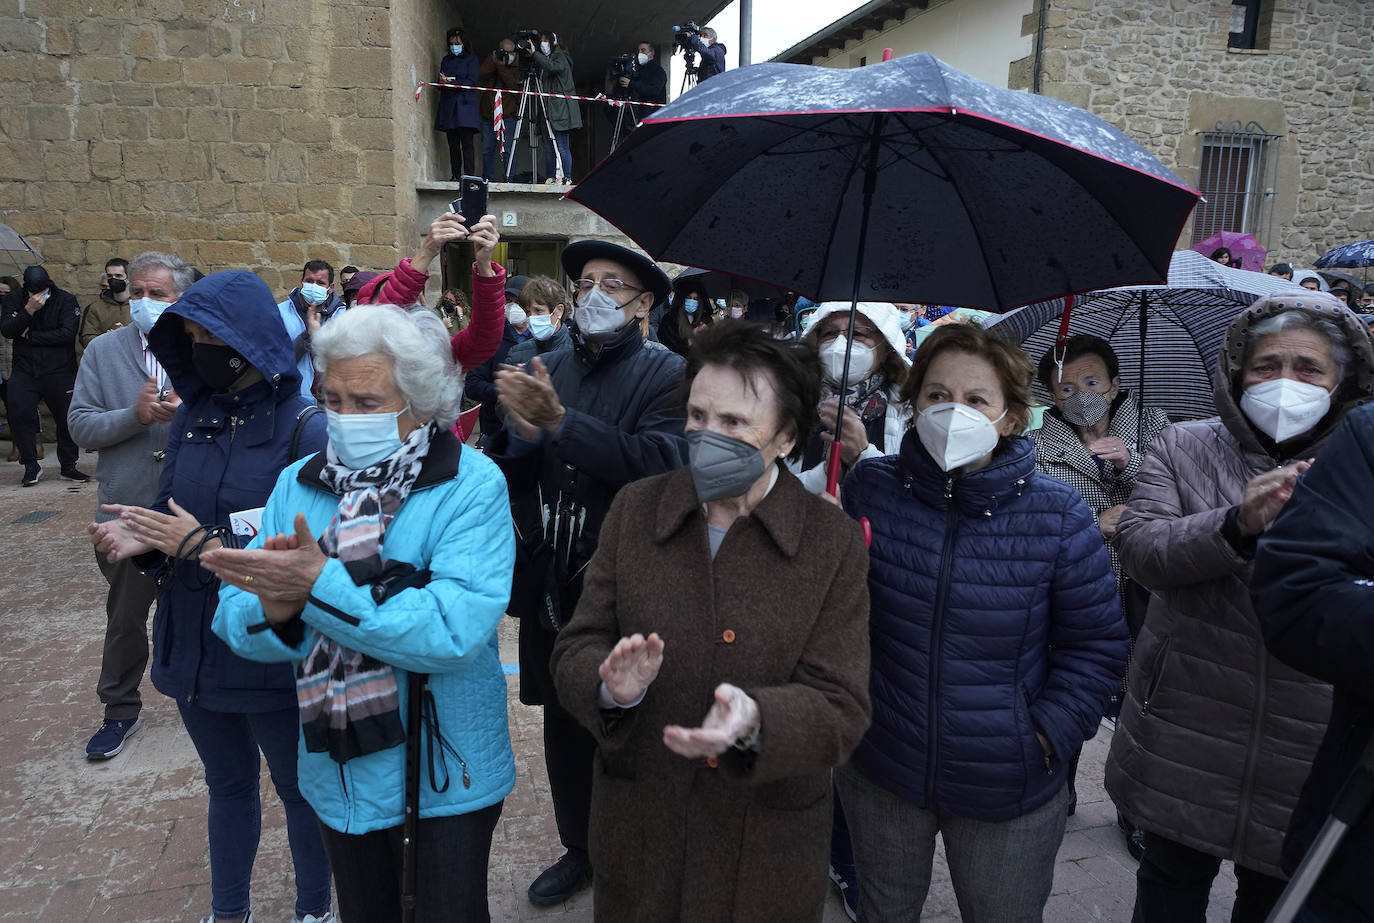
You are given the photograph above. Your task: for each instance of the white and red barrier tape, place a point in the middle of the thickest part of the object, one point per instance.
(599, 98)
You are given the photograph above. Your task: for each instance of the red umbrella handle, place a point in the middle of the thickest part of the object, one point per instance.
(868, 532)
(832, 480)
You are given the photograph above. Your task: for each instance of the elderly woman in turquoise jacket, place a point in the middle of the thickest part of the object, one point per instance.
(383, 565)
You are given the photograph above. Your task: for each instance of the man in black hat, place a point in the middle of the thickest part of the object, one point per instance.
(585, 423)
(42, 319)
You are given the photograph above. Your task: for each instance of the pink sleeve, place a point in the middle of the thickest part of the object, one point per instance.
(400, 286)
(477, 342)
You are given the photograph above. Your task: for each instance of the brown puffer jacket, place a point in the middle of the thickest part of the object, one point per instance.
(1216, 737)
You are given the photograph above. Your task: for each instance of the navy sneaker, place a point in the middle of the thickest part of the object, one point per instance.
(31, 475)
(109, 740)
(71, 474)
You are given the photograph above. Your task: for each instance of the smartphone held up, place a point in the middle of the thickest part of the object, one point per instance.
(471, 205)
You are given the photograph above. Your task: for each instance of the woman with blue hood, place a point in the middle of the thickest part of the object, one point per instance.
(241, 422)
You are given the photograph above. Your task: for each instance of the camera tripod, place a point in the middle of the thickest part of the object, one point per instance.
(616, 133)
(536, 105)
(689, 77)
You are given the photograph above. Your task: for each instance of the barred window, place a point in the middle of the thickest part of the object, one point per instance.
(1237, 175)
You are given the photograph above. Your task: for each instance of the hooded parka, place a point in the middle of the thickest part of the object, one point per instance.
(224, 455)
(1216, 736)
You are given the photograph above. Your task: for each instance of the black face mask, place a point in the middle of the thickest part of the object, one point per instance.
(218, 366)
(117, 285)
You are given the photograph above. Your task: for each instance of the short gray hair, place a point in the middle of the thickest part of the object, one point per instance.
(183, 276)
(414, 340)
(1341, 351)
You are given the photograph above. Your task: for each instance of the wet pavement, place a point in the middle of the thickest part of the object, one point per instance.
(125, 840)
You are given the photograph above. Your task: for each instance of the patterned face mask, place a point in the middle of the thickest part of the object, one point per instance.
(1085, 408)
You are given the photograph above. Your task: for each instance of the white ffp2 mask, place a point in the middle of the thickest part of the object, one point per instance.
(956, 434)
(860, 360)
(1282, 408)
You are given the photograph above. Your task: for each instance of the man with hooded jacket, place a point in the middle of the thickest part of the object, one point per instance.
(583, 423)
(41, 319)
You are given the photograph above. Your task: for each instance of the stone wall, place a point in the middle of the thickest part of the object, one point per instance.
(1161, 71)
(237, 133)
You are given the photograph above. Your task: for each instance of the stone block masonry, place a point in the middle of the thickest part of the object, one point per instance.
(235, 133)
(1162, 72)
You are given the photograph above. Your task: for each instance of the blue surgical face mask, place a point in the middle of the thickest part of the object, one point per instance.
(144, 312)
(456, 49)
(691, 305)
(313, 292)
(541, 326)
(359, 440)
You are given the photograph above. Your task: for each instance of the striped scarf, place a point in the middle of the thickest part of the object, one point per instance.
(348, 700)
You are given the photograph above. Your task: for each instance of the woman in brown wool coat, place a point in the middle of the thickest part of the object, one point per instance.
(719, 655)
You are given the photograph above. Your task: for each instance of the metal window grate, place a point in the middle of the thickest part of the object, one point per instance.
(35, 516)
(1237, 174)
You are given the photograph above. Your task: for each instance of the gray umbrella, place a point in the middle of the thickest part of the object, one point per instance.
(1167, 336)
(17, 248)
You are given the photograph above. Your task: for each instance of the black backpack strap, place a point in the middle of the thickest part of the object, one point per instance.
(302, 418)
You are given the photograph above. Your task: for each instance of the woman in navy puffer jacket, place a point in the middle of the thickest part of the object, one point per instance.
(997, 637)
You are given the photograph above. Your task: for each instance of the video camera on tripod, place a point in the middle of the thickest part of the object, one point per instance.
(681, 36)
(624, 65)
(682, 41)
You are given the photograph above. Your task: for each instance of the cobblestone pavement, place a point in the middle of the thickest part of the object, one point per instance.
(125, 840)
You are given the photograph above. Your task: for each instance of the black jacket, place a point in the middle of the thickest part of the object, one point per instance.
(712, 58)
(44, 343)
(649, 84)
(1313, 590)
(480, 383)
(624, 421)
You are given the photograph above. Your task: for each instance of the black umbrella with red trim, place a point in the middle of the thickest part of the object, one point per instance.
(902, 181)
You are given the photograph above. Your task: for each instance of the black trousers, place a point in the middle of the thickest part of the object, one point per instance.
(451, 856)
(54, 389)
(1174, 881)
(569, 748)
(462, 152)
(131, 594)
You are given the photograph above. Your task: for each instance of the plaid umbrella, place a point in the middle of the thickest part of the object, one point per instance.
(1167, 350)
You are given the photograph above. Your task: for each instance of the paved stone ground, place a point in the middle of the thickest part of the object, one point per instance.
(125, 840)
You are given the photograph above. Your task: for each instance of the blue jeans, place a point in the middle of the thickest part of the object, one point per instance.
(550, 167)
(228, 744)
(1000, 871)
(493, 162)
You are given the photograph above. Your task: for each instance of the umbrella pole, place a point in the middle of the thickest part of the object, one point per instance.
(1140, 386)
(875, 142)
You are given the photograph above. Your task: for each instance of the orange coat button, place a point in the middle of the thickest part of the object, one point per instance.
(728, 636)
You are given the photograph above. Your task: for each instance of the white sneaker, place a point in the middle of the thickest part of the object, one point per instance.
(248, 918)
(311, 918)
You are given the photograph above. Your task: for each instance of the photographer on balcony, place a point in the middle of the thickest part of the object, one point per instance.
(704, 43)
(644, 81)
(556, 75)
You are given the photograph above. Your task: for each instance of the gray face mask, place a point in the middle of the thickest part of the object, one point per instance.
(599, 316)
(1085, 408)
(721, 466)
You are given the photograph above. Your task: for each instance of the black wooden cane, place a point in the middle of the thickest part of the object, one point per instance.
(410, 826)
